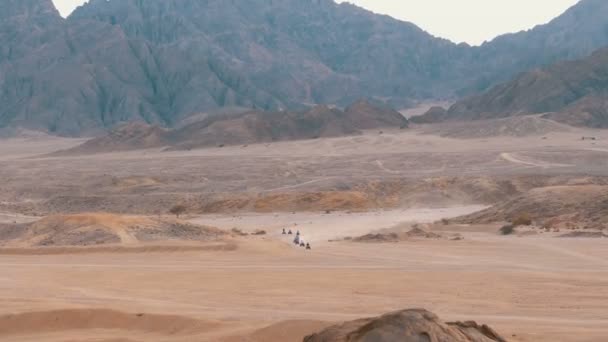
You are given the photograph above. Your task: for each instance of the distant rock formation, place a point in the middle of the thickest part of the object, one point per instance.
(130, 136)
(433, 115)
(416, 325)
(574, 92)
(367, 115)
(248, 128)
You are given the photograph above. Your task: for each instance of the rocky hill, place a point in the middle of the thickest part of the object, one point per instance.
(575, 206)
(407, 326)
(160, 61)
(248, 128)
(572, 92)
(94, 229)
(131, 136)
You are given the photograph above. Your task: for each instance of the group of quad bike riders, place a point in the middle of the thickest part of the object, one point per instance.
(298, 240)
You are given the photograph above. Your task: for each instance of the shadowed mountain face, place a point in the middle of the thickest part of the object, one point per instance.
(573, 92)
(577, 33)
(160, 61)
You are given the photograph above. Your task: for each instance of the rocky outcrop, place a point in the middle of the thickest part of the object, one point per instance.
(415, 325)
(433, 115)
(131, 136)
(562, 207)
(367, 115)
(94, 229)
(248, 128)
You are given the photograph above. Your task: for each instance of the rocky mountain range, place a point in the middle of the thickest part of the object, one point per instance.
(572, 92)
(161, 61)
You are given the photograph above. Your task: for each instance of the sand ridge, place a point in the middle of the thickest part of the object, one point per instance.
(86, 229)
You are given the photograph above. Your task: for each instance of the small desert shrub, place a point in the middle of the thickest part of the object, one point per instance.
(178, 209)
(522, 220)
(507, 230)
(445, 221)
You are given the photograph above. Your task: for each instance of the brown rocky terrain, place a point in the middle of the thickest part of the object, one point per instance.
(408, 326)
(573, 206)
(146, 195)
(367, 115)
(591, 111)
(258, 127)
(131, 136)
(101, 229)
(432, 115)
(392, 236)
(248, 128)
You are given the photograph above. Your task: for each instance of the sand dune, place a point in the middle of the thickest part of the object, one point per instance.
(287, 331)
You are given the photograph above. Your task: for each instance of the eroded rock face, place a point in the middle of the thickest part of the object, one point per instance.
(414, 325)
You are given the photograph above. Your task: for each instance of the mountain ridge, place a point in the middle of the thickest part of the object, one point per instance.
(248, 128)
(573, 92)
(160, 62)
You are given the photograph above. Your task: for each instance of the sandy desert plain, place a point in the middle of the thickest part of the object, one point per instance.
(155, 278)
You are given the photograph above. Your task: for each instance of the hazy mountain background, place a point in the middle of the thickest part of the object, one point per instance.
(161, 61)
(573, 92)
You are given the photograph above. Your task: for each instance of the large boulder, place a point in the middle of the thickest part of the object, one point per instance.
(415, 325)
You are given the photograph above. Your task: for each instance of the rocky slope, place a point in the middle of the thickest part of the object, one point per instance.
(248, 128)
(574, 206)
(160, 61)
(572, 92)
(131, 136)
(102, 229)
(407, 326)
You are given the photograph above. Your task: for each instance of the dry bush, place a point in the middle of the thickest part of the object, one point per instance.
(178, 210)
(522, 220)
(507, 230)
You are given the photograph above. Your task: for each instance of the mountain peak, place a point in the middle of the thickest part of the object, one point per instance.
(28, 9)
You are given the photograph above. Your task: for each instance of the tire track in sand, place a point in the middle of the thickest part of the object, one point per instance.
(512, 157)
